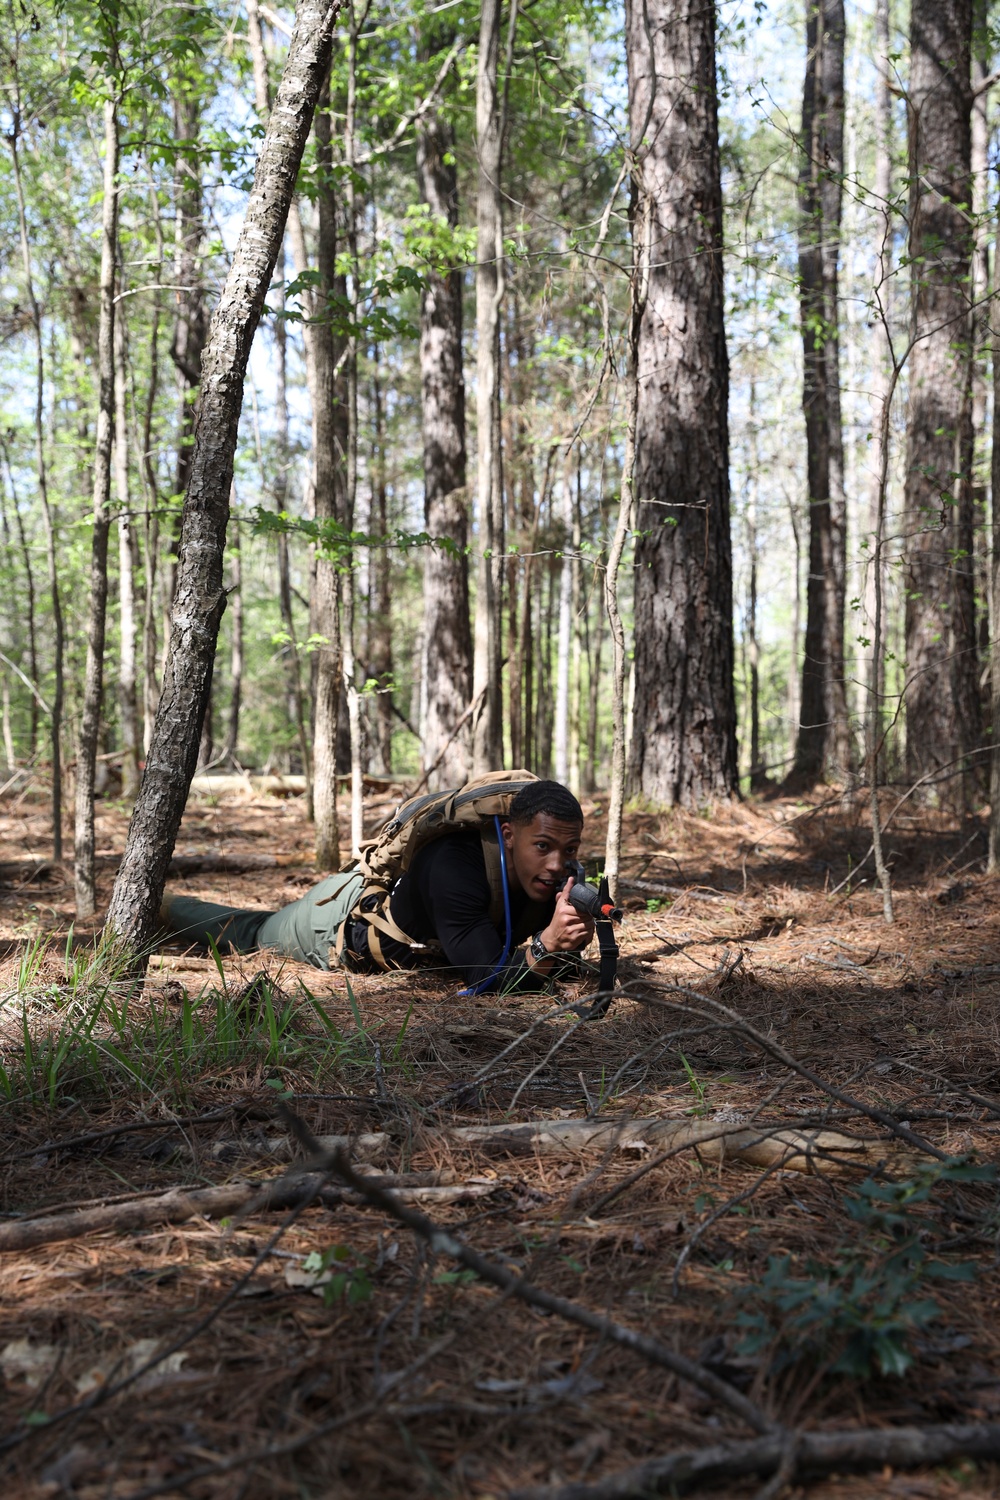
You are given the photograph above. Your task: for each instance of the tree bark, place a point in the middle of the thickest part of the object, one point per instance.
(236, 652)
(381, 634)
(448, 678)
(329, 448)
(128, 707)
(823, 743)
(151, 517)
(29, 584)
(560, 736)
(296, 704)
(84, 876)
(487, 677)
(200, 596)
(684, 730)
(941, 690)
(48, 519)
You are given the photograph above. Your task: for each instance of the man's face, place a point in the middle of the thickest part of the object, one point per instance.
(537, 853)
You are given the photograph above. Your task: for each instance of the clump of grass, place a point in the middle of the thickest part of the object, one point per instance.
(91, 1031)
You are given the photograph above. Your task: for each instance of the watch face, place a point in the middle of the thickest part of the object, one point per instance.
(538, 948)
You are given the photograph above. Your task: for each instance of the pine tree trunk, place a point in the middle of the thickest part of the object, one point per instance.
(350, 574)
(381, 634)
(236, 651)
(296, 704)
(874, 584)
(941, 692)
(48, 519)
(84, 875)
(329, 447)
(824, 742)
(200, 594)
(151, 520)
(563, 635)
(29, 596)
(446, 571)
(487, 678)
(128, 708)
(684, 733)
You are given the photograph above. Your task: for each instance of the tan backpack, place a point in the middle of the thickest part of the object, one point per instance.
(419, 822)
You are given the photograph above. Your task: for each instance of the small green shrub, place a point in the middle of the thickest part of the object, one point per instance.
(858, 1313)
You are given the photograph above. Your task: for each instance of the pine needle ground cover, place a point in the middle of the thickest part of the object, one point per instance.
(325, 1347)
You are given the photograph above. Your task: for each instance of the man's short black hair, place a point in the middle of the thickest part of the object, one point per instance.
(545, 797)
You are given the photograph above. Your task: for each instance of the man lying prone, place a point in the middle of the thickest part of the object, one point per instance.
(441, 907)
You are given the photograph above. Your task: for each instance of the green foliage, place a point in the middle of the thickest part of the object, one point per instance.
(858, 1313)
(342, 1273)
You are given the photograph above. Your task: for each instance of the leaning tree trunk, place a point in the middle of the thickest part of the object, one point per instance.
(448, 683)
(941, 687)
(824, 742)
(684, 733)
(487, 684)
(200, 596)
(84, 875)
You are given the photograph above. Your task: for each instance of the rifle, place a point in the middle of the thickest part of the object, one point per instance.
(598, 904)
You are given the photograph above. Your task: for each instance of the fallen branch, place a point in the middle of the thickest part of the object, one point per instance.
(815, 1454)
(441, 1242)
(179, 1205)
(791, 1147)
(654, 888)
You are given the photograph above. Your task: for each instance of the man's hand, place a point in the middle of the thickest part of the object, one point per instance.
(569, 929)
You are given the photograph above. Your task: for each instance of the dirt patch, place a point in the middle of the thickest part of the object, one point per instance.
(405, 1374)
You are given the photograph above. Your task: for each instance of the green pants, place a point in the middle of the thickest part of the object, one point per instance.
(305, 930)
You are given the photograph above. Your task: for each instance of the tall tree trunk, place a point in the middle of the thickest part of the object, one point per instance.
(349, 576)
(941, 691)
(200, 593)
(29, 596)
(128, 708)
(330, 438)
(151, 515)
(296, 702)
(48, 519)
(442, 387)
(684, 733)
(236, 651)
(881, 386)
(824, 742)
(487, 677)
(380, 664)
(84, 877)
(561, 724)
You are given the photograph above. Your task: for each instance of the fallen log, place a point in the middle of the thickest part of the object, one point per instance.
(798, 1456)
(796, 1148)
(768, 1145)
(179, 1205)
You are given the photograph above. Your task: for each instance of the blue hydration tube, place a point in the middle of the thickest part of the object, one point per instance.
(477, 989)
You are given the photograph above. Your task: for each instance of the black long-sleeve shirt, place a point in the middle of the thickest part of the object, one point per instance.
(444, 898)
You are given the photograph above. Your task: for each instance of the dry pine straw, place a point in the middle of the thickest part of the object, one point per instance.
(903, 1017)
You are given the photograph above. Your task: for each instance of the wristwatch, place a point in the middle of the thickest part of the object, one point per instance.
(538, 949)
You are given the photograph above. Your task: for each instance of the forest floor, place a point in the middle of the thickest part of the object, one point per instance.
(746, 998)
